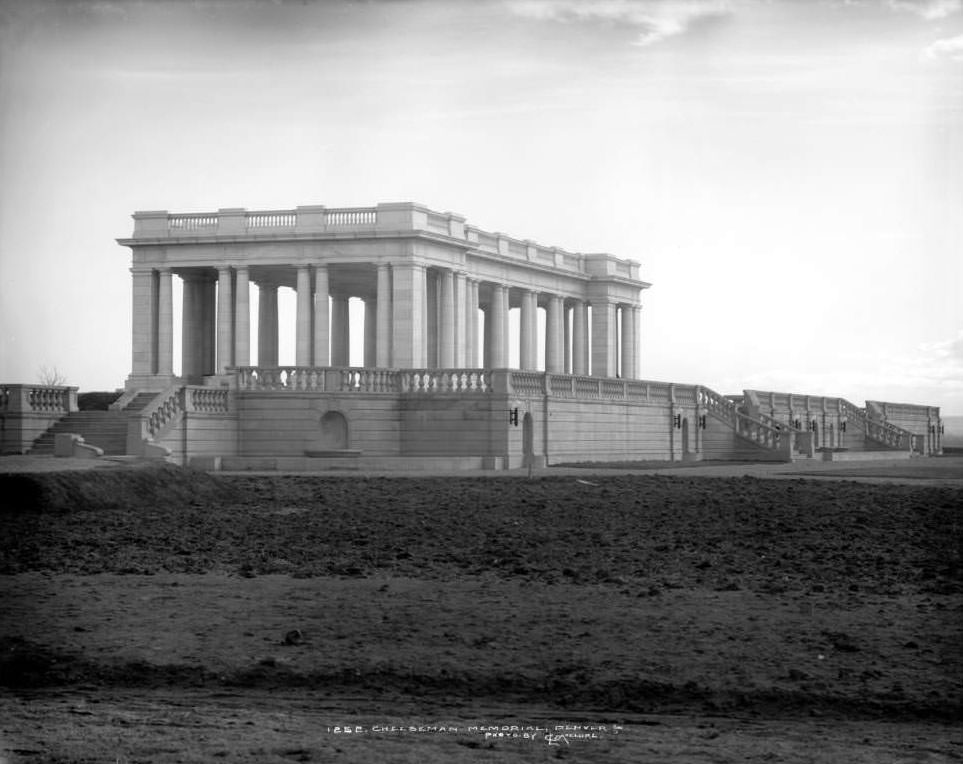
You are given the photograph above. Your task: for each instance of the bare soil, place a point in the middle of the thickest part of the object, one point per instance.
(160, 614)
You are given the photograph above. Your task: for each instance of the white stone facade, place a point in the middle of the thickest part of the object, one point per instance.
(435, 388)
(423, 277)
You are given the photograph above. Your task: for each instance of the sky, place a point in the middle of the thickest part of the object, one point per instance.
(788, 173)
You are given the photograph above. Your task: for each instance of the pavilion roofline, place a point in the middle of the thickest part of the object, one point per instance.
(385, 219)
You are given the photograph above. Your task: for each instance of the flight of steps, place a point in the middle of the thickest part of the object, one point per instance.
(139, 402)
(105, 429)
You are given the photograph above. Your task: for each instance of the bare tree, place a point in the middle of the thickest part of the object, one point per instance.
(51, 376)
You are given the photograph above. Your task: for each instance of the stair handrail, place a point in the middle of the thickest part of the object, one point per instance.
(124, 400)
(161, 414)
(768, 432)
(888, 434)
(761, 433)
(852, 411)
(876, 429)
(717, 405)
(778, 424)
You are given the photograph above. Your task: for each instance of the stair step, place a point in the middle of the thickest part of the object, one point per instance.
(106, 430)
(140, 401)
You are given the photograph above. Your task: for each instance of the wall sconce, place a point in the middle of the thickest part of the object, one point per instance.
(942, 429)
(812, 425)
(702, 422)
(677, 421)
(513, 416)
(797, 425)
(932, 429)
(842, 426)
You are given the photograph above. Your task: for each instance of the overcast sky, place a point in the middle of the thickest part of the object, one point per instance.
(789, 174)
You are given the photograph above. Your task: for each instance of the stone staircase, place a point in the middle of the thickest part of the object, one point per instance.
(105, 429)
(139, 402)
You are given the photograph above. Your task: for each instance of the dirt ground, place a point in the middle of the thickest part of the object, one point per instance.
(164, 615)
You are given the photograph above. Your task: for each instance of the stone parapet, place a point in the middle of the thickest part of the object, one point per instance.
(386, 219)
(28, 411)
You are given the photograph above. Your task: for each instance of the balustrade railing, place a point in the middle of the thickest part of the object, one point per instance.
(394, 217)
(561, 385)
(38, 399)
(272, 219)
(192, 222)
(527, 382)
(369, 380)
(168, 407)
(888, 434)
(352, 216)
(362, 380)
(635, 388)
(304, 378)
(764, 430)
(163, 412)
(882, 432)
(759, 432)
(587, 387)
(717, 405)
(445, 381)
(209, 400)
(774, 423)
(49, 399)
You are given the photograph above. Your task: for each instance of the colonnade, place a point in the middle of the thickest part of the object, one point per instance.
(415, 316)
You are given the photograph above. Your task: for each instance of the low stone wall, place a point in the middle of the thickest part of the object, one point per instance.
(28, 411)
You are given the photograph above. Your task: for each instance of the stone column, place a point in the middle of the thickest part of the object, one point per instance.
(487, 313)
(165, 323)
(430, 318)
(637, 330)
(322, 325)
(191, 321)
(472, 305)
(383, 340)
(225, 319)
(370, 332)
(340, 331)
(628, 343)
(303, 344)
(461, 321)
(267, 327)
(499, 327)
(553, 335)
(208, 325)
(528, 328)
(408, 304)
(604, 350)
(580, 363)
(446, 328)
(566, 341)
(144, 324)
(242, 317)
